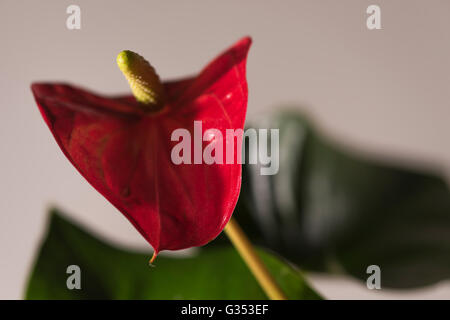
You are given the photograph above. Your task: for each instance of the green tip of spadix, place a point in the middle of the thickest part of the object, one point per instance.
(125, 59)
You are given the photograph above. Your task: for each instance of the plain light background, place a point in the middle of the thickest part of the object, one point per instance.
(383, 92)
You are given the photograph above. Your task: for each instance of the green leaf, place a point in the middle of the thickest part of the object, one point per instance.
(330, 209)
(108, 272)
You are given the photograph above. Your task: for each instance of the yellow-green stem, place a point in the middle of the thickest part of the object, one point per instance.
(253, 261)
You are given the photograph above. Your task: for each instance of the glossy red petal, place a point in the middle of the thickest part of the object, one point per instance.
(126, 154)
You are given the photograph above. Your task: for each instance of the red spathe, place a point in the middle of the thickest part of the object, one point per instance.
(125, 153)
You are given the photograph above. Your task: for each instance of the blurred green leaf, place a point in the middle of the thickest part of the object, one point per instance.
(332, 210)
(111, 273)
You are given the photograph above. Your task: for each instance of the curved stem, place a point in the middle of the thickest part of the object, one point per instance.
(253, 261)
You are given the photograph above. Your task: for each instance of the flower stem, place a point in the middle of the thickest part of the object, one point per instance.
(253, 261)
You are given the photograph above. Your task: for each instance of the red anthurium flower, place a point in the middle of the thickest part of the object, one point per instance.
(124, 150)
